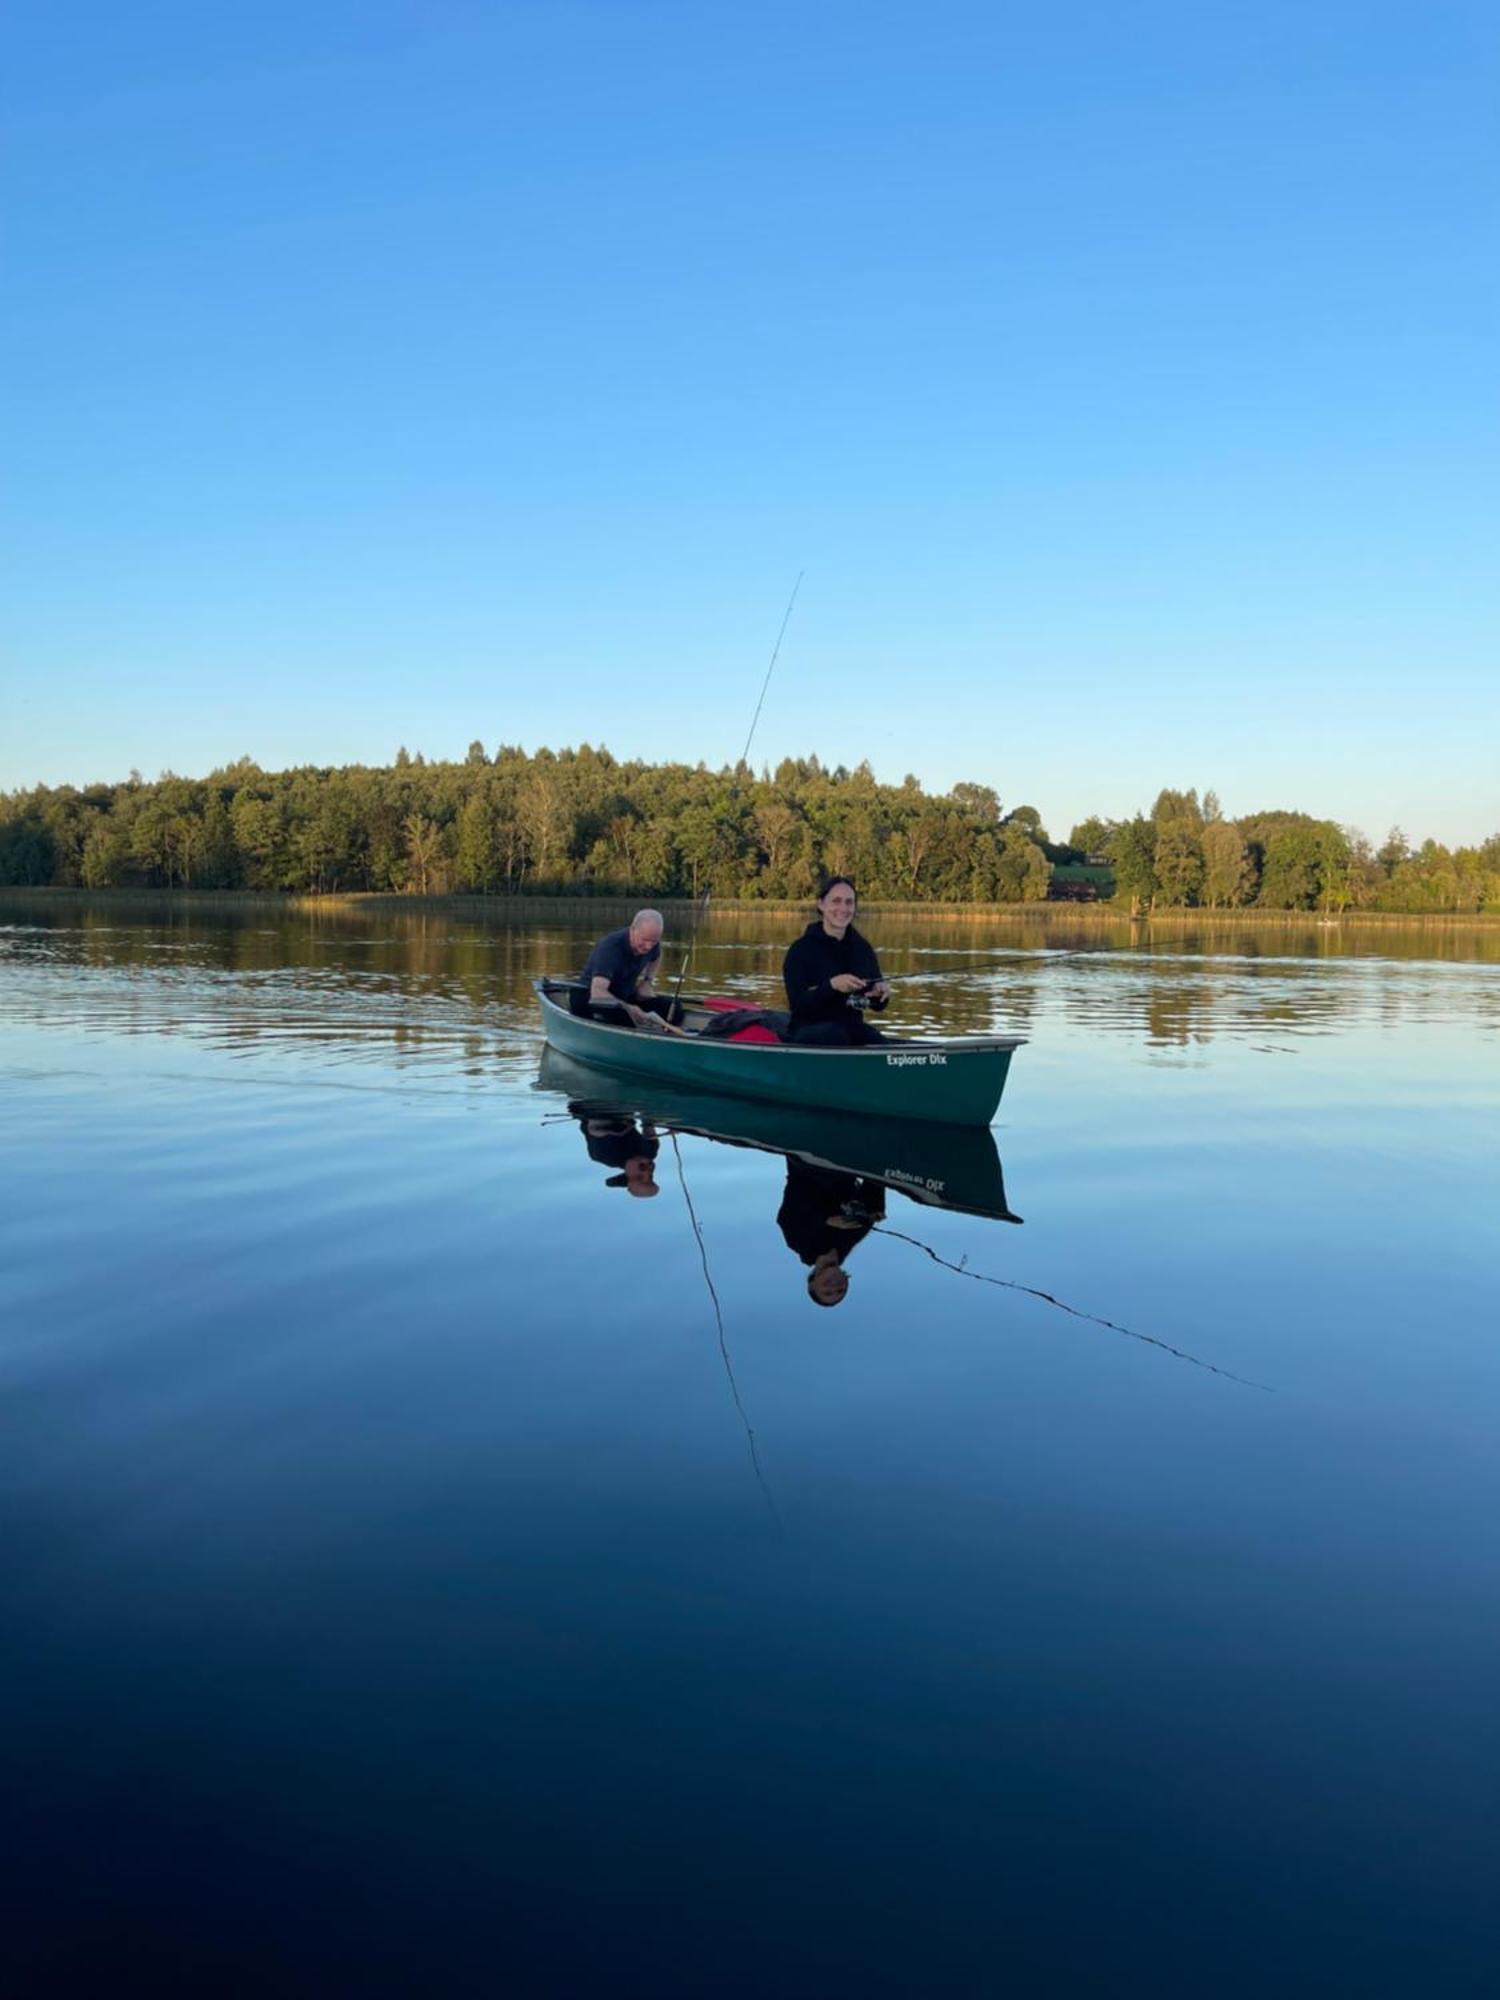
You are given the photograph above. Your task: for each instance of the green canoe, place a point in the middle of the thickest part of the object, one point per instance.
(954, 1082)
(940, 1166)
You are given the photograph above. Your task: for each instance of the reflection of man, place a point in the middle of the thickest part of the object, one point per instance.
(614, 1139)
(619, 972)
(823, 1215)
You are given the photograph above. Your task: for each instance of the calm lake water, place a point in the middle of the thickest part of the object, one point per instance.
(431, 1567)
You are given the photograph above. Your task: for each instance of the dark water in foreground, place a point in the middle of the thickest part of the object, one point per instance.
(431, 1568)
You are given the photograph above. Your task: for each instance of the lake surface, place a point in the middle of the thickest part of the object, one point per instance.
(434, 1566)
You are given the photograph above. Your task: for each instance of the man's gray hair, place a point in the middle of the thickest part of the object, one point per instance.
(649, 917)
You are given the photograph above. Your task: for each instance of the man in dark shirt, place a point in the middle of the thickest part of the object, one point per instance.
(618, 976)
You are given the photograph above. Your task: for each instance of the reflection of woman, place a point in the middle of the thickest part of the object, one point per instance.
(826, 967)
(823, 1215)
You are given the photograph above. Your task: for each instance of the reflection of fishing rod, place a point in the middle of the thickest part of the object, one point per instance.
(1074, 1312)
(734, 1390)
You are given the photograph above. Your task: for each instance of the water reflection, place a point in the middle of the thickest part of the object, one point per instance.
(824, 1216)
(620, 1140)
(450, 991)
(347, 1517)
(939, 1166)
(840, 1171)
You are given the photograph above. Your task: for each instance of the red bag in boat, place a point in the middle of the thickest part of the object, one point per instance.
(755, 1033)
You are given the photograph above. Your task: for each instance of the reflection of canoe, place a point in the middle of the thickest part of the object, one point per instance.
(956, 1082)
(943, 1166)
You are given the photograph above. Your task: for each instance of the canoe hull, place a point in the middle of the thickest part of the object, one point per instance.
(943, 1082)
(938, 1166)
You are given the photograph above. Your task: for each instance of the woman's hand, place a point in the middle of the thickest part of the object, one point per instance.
(847, 982)
(878, 991)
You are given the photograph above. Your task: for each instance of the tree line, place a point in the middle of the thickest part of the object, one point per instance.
(554, 822)
(1186, 854)
(581, 821)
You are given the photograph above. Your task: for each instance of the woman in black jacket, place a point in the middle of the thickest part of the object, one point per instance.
(826, 967)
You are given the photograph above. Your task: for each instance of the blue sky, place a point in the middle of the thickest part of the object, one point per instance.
(1123, 379)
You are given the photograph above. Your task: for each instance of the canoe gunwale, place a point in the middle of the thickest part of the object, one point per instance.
(548, 989)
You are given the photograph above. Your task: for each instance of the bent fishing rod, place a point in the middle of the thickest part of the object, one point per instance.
(701, 908)
(775, 654)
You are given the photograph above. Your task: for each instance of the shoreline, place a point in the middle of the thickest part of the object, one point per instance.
(1061, 915)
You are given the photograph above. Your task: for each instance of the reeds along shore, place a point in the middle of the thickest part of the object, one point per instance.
(604, 905)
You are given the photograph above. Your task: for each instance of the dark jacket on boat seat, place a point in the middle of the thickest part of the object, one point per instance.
(733, 1021)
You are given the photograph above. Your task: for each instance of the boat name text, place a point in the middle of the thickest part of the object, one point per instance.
(915, 1180)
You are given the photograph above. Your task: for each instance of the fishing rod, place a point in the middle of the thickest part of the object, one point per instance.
(700, 909)
(860, 998)
(775, 654)
(935, 972)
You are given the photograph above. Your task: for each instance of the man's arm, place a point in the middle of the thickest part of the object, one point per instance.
(600, 996)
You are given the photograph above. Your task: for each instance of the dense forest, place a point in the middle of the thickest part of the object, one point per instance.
(1186, 854)
(581, 822)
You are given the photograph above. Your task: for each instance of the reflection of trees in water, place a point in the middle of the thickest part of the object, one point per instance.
(458, 974)
(1170, 1012)
(1451, 942)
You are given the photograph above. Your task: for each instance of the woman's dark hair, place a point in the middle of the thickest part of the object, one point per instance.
(833, 881)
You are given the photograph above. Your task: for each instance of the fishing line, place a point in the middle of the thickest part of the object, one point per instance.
(734, 1389)
(702, 907)
(775, 651)
(1075, 1312)
(699, 911)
